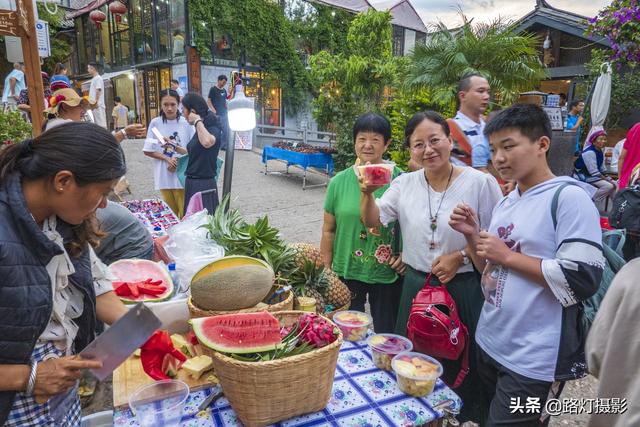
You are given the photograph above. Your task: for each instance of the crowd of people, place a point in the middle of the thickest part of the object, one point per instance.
(518, 249)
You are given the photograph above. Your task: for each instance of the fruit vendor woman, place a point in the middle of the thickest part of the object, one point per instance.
(53, 287)
(364, 258)
(422, 202)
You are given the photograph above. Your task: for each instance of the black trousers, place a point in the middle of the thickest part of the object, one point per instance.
(513, 399)
(383, 299)
(631, 248)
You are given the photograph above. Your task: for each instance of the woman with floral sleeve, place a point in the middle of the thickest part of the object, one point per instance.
(363, 257)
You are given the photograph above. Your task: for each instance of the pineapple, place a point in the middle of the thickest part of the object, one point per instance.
(338, 293)
(306, 251)
(310, 280)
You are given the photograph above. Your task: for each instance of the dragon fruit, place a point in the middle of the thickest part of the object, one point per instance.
(316, 330)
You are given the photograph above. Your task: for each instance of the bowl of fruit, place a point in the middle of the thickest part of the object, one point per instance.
(353, 324)
(378, 174)
(385, 347)
(416, 373)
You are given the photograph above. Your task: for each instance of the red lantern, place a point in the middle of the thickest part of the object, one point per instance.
(98, 17)
(117, 9)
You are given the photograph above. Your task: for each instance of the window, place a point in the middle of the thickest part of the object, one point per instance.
(177, 28)
(421, 38)
(120, 41)
(398, 41)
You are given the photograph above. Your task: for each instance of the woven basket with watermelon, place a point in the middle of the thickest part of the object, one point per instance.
(272, 366)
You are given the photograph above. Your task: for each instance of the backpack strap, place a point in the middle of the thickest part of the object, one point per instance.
(464, 367)
(554, 203)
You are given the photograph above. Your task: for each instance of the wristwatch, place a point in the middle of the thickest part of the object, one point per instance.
(465, 257)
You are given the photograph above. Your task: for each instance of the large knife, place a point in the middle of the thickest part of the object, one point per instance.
(121, 339)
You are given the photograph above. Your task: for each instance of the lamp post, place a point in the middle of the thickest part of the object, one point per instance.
(242, 117)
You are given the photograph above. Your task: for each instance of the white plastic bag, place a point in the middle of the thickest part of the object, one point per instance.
(190, 248)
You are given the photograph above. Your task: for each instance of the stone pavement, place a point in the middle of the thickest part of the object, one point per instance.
(296, 213)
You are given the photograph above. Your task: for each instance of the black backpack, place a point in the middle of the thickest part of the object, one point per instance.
(625, 212)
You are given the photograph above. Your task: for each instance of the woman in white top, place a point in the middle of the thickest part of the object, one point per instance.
(176, 132)
(422, 202)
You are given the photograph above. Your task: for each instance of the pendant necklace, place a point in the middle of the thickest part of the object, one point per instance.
(433, 219)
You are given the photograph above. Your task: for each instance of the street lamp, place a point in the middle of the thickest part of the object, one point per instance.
(242, 118)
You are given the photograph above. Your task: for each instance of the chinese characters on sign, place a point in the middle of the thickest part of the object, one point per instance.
(532, 405)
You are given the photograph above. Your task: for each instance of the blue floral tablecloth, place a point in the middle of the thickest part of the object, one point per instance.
(362, 396)
(304, 160)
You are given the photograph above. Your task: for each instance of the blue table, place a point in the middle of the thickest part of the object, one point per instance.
(362, 395)
(304, 160)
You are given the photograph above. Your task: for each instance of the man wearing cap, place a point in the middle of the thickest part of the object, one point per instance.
(23, 100)
(96, 94)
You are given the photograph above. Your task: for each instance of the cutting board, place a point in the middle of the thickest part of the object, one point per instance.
(129, 376)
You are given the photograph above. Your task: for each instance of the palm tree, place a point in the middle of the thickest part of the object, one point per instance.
(508, 60)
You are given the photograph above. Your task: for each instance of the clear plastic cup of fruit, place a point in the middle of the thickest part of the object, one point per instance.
(384, 347)
(353, 324)
(378, 174)
(416, 373)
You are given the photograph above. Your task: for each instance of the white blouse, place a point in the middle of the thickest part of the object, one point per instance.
(407, 200)
(67, 300)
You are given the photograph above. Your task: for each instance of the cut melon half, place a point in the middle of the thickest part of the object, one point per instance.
(239, 333)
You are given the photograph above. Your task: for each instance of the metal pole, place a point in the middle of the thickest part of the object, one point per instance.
(228, 164)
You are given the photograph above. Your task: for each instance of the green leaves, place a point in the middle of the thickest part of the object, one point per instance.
(13, 128)
(508, 60)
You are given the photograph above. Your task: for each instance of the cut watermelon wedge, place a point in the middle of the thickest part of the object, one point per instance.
(239, 333)
(139, 280)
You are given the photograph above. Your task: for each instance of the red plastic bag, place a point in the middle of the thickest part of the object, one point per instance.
(155, 355)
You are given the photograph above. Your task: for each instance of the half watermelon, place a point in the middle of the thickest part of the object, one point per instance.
(239, 333)
(140, 270)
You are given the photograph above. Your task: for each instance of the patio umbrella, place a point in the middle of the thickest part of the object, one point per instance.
(600, 100)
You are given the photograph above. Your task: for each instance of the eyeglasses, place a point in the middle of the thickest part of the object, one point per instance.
(435, 142)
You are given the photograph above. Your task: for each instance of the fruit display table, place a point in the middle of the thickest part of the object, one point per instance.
(363, 395)
(304, 160)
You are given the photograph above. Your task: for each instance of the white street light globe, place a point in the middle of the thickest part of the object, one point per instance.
(241, 112)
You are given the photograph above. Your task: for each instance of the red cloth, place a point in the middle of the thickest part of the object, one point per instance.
(604, 223)
(153, 352)
(632, 145)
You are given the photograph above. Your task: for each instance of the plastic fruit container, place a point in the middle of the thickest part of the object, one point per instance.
(385, 347)
(353, 324)
(416, 373)
(378, 174)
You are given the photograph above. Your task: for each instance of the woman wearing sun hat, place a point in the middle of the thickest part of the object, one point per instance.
(65, 105)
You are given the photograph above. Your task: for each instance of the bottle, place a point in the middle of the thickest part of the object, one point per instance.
(175, 278)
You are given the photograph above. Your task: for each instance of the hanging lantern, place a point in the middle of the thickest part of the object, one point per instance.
(117, 9)
(98, 16)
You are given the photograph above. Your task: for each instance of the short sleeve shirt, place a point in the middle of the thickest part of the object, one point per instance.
(97, 83)
(480, 153)
(358, 253)
(203, 161)
(218, 98)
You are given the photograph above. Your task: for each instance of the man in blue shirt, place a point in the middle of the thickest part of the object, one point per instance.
(13, 85)
(574, 120)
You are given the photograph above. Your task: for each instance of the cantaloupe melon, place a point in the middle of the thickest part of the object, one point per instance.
(231, 283)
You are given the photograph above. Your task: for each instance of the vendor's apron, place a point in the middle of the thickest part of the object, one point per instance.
(60, 411)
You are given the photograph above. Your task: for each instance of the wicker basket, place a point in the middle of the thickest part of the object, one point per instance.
(285, 304)
(263, 393)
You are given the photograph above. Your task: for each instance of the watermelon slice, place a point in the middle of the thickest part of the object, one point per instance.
(141, 280)
(239, 333)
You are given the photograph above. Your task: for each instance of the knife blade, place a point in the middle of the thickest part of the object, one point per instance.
(121, 339)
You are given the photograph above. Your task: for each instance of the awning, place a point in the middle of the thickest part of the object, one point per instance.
(88, 8)
(107, 77)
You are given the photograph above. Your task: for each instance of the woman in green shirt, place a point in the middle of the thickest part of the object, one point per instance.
(365, 259)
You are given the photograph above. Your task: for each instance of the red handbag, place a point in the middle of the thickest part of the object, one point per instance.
(434, 327)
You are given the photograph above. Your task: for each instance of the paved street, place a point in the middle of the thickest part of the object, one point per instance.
(296, 212)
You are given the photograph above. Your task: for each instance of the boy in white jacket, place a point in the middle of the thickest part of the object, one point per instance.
(535, 272)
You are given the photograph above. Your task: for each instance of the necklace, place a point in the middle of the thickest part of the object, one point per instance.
(433, 219)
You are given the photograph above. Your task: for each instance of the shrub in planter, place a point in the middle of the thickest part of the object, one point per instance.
(13, 128)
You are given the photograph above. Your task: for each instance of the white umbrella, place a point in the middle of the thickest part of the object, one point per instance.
(600, 100)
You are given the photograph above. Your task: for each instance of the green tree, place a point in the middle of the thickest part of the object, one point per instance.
(508, 60)
(260, 33)
(60, 47)
(360, 80)
(317, 27)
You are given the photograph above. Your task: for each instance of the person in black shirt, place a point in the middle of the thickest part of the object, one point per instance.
(203, 152)
(218, 104)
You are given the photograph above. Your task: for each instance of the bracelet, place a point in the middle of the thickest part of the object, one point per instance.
(124, 133)
(196, 122)
(32, 378)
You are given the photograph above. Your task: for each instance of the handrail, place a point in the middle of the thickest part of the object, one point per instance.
(301, 135)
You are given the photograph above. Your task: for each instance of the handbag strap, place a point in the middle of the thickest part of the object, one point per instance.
(464, 368)
(426, 282)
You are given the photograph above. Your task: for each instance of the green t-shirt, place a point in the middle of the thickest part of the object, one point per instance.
(357, 253)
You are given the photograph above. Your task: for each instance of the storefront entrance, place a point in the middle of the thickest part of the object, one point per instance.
(150, 81)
